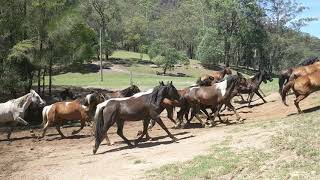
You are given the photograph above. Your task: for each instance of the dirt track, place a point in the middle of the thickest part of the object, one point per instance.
(55, 158)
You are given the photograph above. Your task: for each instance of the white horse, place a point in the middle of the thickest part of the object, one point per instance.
(12, 112)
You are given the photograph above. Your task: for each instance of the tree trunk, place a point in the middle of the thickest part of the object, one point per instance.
(226, 52)
(39, 81)
(43, 80)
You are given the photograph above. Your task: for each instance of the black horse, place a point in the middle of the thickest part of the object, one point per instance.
(252, 86)
(142, 106)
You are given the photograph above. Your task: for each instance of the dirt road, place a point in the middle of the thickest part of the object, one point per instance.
(71, 158)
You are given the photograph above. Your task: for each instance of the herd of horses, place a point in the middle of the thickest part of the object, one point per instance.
(211, 92)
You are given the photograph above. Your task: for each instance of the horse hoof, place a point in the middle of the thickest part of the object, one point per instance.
(94, 151)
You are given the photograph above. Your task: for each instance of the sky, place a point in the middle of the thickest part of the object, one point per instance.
(314, 27)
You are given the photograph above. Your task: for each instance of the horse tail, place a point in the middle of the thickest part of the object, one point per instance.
(285, 90)
(283, 78)
(98, 128)
(45, 112)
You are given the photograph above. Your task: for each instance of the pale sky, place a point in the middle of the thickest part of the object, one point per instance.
(314, 11)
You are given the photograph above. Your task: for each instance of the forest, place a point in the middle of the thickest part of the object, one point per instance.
(38, 35)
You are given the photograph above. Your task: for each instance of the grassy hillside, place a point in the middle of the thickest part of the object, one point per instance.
(143, 75)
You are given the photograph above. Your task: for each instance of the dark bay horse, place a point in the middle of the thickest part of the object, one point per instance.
(214, 76)
(252, 85)
(130, 91)
(142, 106)
(59, 112)
(302, 87)
(290, 73)
(210, 96)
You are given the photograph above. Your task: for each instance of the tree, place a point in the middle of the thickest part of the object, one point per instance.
(165, 56)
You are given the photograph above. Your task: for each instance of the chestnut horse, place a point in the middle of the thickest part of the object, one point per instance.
(59, 112)
(289, 74)
(142, 106)
(210, 96)
(302, 87)
(215, 75)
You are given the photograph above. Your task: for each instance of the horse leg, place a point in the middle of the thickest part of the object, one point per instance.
(10, 129)
(83, 123)
(22, 121)
(250, 98)
(297, 100)
(59, 131)
(151, 124)
(144, 132)
(264, 95)
(257, 93)
(45, 129)
(170, 114)
(120, 124)
(160, 122)
(234, 110)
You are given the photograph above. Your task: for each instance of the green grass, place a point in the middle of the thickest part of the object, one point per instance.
(129, 55)
(292, 153)
(143, 75)
(118, 80)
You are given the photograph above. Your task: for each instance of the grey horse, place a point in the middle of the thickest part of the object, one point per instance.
(12, 112)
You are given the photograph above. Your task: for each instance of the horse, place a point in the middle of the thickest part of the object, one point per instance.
(142, 106)
(213, 96)
(252, 85)
(290, 73)
(308, 61)
(302, 87)
(12, 112)
(66, 94)
(242, 82)
(59, 112)
(133, 89)
(215, 75)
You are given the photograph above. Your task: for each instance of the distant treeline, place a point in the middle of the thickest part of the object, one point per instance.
(36, 35)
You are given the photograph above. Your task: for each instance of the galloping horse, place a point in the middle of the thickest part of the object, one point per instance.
(302, 87)
(214, 76)
(12, 112)
(130, 91)
(252, 85)
(59, 112)
(210, 96)
(142, 106)
(289, 74)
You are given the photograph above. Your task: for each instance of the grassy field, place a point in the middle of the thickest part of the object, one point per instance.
(143, 75)
(292, 153)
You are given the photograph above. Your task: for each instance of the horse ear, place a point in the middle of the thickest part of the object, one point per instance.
(32, 91)
(171, 83)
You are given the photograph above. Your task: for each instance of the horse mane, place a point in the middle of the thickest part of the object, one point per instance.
(21, 100)
(309, 61)
(156, 95)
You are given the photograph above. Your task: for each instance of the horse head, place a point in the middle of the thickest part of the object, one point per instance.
(35, 98)
(164, 91)
(266, 76)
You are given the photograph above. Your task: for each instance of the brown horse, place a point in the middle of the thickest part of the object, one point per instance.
(210, 96)
(130, 91)
(59, 112)
(289, 74)
(142, 106)
(215, 75)
(302, 87)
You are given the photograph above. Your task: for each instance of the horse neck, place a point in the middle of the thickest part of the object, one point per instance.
(258, 79)
(25, 100)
